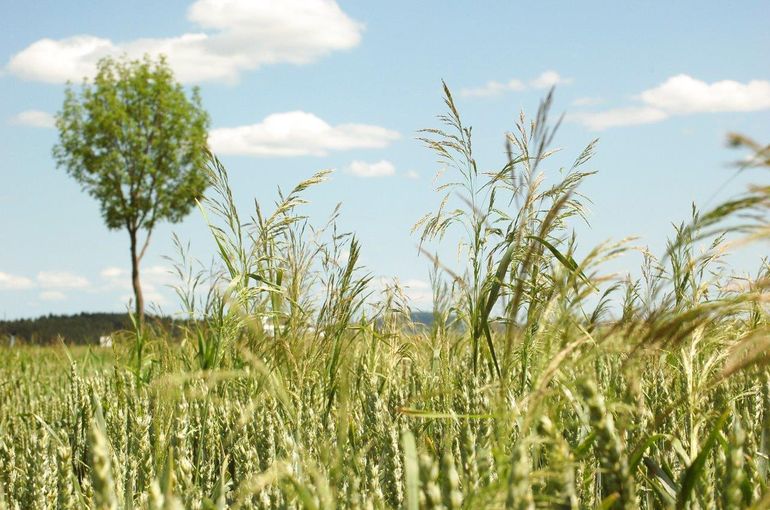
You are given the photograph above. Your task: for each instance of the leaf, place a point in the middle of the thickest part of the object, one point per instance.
(101, 424)
(494, 289)
(305, 496)
(488, 337)
(636, 457)
(654, 470)
(167, 476)
(691, 474)
(582, 449)
(411, 471)
(566, 261)
(608, 502)
(51, 431)
(436, 415)
(255, 276)
(221, 487)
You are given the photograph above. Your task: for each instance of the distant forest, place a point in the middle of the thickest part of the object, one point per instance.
(86, 328)
(83, 328)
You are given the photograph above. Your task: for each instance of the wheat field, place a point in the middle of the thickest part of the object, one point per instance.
(542, 382)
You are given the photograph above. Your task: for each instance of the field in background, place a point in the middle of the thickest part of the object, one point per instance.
(88, 328)
(540, 382)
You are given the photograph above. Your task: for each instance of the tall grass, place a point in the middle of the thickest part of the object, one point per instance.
(543, 382)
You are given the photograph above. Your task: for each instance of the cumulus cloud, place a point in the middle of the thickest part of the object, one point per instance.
(381, 168)
(151, 297)
(231, 36)
(46, 280)
(630, 116)
(297, 133)
(159, 274)
(411, 174)
(549, 79)
(419, 293)
(151, 276)
(14, 282)
(496, 88)
(56, 61)
(154, 280)
(61, 280)
(111, 272)
(52, 295)
(587, 101)
(52, 284)
(681, 95)
(118, 277)
(33, 118)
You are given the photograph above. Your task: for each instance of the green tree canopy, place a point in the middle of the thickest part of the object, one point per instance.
(136, 142)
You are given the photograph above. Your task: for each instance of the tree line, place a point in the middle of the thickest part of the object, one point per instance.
(86, 328)
(79, 329)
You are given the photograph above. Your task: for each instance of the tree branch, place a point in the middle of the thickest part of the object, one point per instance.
(146, 244)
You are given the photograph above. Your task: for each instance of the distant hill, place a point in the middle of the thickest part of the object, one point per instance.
(86, 328)
(423, 318)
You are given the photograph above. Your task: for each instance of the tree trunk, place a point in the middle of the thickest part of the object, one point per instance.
(135, 279)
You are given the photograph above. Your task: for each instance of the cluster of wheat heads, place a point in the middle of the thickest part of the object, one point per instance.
(541, 383)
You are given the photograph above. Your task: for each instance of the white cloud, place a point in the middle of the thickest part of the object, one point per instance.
(549, 79)
(52, 283)
(411, 174)
(587, 101)
(33, 118)
(419, 293)
(158, 273)
(154, 280)
(630, 116)
(111, 272)
(494, 88)
(231, 36)
(61, 280)
(297, 133)
(150, 295)
(48, 280)
(154, 297)
(417, 284)
(150, 277)
(379, 169)
(13, 282)
(56, 61)
(682, 95)
(52, 295)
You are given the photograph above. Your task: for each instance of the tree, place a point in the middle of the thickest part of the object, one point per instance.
(136, 142)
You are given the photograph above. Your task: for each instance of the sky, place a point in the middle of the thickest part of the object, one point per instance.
(297, 86)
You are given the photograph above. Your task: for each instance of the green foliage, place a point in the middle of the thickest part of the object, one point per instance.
(78, 329)
(296, 386)
(504, 245)
(136, 143)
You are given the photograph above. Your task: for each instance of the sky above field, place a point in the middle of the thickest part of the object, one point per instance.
(296, 86)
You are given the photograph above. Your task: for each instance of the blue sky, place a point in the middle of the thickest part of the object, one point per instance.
(297, 86)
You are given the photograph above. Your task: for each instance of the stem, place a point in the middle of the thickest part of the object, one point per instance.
(135, 259)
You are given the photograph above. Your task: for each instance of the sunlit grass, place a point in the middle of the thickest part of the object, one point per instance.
(543, 381)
